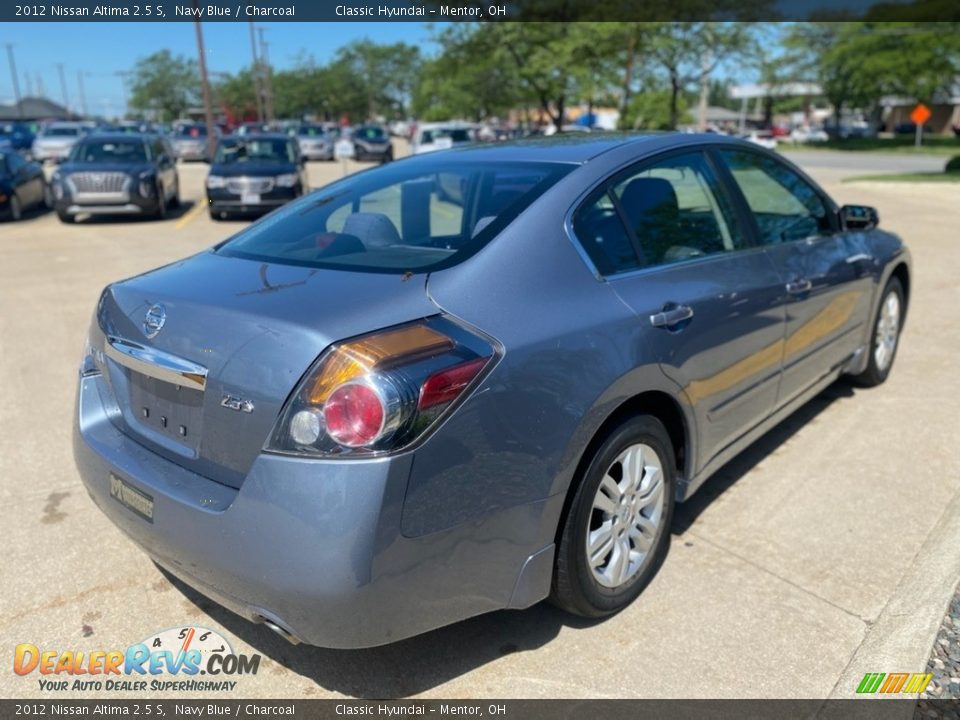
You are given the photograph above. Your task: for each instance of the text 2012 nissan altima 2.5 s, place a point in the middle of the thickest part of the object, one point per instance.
(378, 411)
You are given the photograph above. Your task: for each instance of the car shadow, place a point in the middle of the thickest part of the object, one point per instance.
(418, 664)
(173, 214)
(403, 668)
(687, 513)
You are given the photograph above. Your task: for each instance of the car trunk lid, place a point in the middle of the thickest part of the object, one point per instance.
(202, 380)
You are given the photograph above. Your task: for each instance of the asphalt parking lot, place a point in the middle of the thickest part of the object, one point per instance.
(827, 551)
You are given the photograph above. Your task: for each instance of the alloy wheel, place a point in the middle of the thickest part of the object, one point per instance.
(626, 516)
(888, 330)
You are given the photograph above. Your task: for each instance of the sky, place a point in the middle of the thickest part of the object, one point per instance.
(100, 50)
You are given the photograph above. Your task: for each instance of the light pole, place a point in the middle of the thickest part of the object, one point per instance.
(267, 80)
(255, 73)
(13, 76)
(63, 88)
(83, 95)
(123, 75)
(204, 82)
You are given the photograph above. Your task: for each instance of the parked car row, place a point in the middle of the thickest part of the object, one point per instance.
(22, 186)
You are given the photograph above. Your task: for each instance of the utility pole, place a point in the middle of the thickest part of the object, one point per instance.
(40, 91)
(204, 83)
(28, 81)
(63, 87)
(267, 79)
(13, 76)
(123, 75)
(255, 73)
(83, 95)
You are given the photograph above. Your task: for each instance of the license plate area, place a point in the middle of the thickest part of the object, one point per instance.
(172, 411)
(131, 498)
(249, 198)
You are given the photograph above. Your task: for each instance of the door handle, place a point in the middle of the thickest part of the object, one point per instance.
(671, 317)
(798, 287)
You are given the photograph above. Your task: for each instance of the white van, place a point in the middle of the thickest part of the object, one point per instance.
(442, 136)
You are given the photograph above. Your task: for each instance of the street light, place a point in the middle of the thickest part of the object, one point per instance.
(63, 88)
(83, 95)
(123, 75)
(13, 75)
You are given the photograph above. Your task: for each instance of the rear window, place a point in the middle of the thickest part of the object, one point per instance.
(369, 133)
(62, 131)
(193, 131)
(407, 217)
(254, 150)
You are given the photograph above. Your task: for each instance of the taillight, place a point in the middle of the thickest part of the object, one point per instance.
(381, 392)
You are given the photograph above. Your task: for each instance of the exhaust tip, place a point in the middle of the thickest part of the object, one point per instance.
(279, 630)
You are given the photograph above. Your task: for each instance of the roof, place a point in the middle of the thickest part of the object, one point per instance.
(34, 108)
(562, 148)
(257, 136)
(120, 136)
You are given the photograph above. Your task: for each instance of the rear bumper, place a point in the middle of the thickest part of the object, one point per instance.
(190, 153)
(53, 154)
(227, 202)
(317, 153)
(315, 546)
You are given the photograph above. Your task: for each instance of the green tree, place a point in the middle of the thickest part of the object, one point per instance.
(386, 74)
(165, 85)
(688, 52)
(650, 110)
(857, 63)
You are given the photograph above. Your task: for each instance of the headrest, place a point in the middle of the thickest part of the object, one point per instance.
(373, 229)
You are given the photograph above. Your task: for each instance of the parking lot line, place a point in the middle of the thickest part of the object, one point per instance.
(198, 208)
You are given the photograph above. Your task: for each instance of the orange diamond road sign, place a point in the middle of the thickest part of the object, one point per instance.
(921, 113)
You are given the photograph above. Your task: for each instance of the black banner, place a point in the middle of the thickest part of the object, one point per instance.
(472, 10)
(865, 709)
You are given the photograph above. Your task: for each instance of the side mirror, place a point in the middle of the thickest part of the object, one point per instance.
(858, 217)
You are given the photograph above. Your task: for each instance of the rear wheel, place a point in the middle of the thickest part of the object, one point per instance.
(886, 335)
(175, 200)
(617, 529)
(66, 217)
(161, 211)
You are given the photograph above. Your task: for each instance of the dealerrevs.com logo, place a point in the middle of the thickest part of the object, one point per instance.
(172, 660)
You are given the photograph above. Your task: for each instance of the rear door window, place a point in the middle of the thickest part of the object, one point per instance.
(667, 211)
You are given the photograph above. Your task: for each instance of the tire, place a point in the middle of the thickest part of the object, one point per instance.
(66, 218)
(885, 338)
(175, 200)
(215, 215)
(160, 213)
(579, 588)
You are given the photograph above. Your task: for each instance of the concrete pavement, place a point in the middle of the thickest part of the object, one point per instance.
(827, 550)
